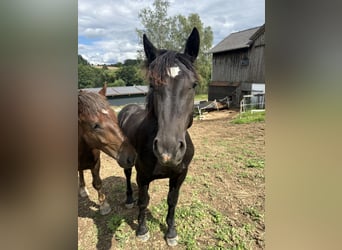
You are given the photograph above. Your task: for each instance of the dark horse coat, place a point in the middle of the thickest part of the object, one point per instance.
(159, 131)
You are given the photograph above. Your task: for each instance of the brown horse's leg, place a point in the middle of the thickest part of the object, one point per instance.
(82, 188)
(172, 199)
(97, 184)
(129, 192)
(144, 198)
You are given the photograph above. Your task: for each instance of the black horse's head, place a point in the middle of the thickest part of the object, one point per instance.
(170, 100)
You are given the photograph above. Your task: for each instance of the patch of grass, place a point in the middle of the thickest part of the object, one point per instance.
(249, 117)
(190, 179)
(231, 237)
(117, 225)
(243, 175)
(201, 97)
(115, 222)
(255, 163)
(187, 218)
(253, 213)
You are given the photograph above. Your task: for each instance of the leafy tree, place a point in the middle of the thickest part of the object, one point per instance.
(117, 83)
(171, 33)
(131, 62)
(130, 75)
(156, 23)
(82, 61)
(89, 76)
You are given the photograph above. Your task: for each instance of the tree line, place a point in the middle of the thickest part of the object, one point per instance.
(164, 31)
(128, 73)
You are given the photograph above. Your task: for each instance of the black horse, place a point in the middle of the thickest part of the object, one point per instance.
(159, 132)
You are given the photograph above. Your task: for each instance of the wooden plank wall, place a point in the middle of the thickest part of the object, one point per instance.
(256, 67)
(227, 65)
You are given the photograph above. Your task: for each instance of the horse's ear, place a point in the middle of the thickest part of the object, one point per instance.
(150, 50)
(192, 45)
(103, 90)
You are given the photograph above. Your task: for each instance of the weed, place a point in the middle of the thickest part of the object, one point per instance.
(216, 216)
(253, 213)
(115, 222)
(255, 163)
(243, 175)
(117, 225)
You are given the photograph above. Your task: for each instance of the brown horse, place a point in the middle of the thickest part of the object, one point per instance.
(98, 130)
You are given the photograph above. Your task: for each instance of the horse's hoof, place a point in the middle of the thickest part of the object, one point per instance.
(105, 208)
(129, 205)
(172, 241)
(144, 237)
(83, 192)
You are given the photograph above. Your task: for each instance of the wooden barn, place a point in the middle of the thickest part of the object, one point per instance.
(238, 65)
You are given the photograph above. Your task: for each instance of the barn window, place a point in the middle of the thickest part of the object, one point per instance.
(244, 61)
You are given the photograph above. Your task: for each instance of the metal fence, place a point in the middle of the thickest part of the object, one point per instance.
(252, 103)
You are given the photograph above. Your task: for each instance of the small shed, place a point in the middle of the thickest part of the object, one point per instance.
(238, 63)
(118, 96)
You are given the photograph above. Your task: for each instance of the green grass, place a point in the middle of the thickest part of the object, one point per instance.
(249, 117)
(201, 97)
(253, 213)
(255, 163)
(195, 221)
(118, 226)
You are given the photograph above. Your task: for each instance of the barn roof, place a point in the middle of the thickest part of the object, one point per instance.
(237, 40)
(122, 91)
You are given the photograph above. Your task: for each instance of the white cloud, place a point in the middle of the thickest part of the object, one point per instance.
(112, 23)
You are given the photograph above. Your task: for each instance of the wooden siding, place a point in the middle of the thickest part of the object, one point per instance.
(256, 69)
(227, 65)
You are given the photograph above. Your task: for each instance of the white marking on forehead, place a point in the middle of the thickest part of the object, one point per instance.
(174, 71)
(103, 111)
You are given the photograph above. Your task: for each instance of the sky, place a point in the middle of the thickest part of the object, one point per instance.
(107, 28)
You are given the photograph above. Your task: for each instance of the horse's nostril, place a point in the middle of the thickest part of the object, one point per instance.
(155, 144)
(130, 160)
(181, 145)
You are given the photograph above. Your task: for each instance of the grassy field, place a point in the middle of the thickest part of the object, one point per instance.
(221, 203)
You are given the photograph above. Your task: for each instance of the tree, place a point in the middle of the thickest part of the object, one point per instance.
(171, 33)
(130, 75)
(82, 61)
(156, 23)
(90, 77)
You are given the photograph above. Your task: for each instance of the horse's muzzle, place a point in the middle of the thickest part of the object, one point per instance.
(169, 154)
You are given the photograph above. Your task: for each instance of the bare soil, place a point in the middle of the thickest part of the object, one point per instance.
(221, 203)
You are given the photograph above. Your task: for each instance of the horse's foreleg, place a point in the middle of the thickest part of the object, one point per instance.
(129, 192)
(97, 184)
(82, 188)
(172, 199)
(144, 198)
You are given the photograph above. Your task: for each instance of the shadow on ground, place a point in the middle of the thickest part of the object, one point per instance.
(115, 190)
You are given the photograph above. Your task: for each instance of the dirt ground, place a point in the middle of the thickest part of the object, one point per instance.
(221, 203)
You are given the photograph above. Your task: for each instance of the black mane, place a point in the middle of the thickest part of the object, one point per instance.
(157, 70)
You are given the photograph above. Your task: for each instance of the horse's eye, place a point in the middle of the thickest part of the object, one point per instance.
(96, 126)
